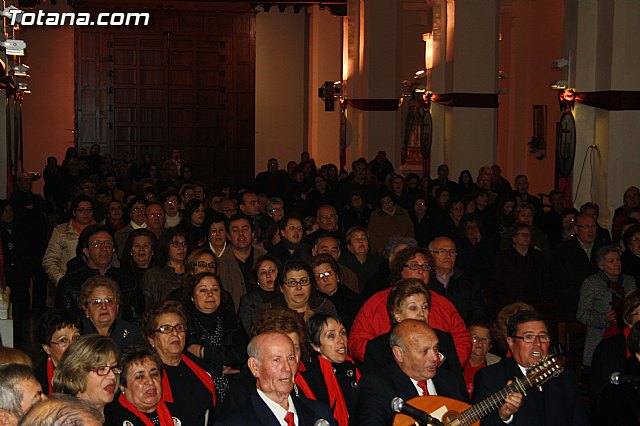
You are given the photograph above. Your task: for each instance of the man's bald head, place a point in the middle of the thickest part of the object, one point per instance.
(415, 349)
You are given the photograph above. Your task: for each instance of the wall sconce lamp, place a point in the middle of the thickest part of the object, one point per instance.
(428, 50)
(559, 63)
(559, 84)
(20, 70)
(23, 87)
(14, 47)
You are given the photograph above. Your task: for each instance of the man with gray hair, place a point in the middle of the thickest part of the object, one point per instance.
(274, 364)
(19, 390)
(63, 410)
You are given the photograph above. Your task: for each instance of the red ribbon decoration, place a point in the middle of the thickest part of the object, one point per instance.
(205, 378)
(336, 398)
(163, 412)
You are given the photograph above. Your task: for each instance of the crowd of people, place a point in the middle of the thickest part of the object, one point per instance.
(312, 293)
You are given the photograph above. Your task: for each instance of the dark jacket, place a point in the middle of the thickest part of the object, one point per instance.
(465, 294)
(255, 412)
(378, 388)
(122, 332)
(559, 403)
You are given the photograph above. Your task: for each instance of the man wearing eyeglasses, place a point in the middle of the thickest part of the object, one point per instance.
(97, 248)
(573, 261)
(556, 403)
(454, 284)
(64, 239)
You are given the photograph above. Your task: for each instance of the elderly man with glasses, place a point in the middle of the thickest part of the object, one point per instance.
(97, 249)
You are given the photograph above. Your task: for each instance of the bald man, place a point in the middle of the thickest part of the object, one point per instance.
(413, 373)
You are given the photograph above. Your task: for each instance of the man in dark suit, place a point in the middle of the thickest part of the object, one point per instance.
(556, 403)
(573, 261)
(273, 362)
(413, 373)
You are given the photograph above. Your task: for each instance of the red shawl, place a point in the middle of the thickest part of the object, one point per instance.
(302, 383)
(161, 409)
(50, 369)
(336, 398)
(205, 378)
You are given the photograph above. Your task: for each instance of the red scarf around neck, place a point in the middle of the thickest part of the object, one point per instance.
(336, 398)
(163, 412)
(205, 378)
(50, 369)
(302, 383)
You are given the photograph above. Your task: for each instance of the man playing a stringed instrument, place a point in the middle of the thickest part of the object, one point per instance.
(414, 373)
(556, 403)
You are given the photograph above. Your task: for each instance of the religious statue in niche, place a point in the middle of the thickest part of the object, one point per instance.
(418, 130)
(565, 144)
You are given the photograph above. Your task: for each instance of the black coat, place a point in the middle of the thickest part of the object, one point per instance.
(378, 388)
(619, 405)
(609, 356)
(255, 412)
(569, 267)
(465, 294)
(558, 404)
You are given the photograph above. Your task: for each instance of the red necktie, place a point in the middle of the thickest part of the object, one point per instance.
(422, 384)
(289, 419)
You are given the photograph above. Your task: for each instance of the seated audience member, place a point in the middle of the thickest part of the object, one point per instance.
(62, 410)
(413, 372)
(358, 258)
(381, 279)
(631, 256)
(326, 244)
(452, 283)
(573, 261)
(610, 354)
(328, 278)
(631, 200)
(237, 261)
(266, 287)
(140, 401)
(14, 356)
(58, 328)
(159, 281)
(552, 220)
(410, 299)
(297, 284)
(424, 227)
(291, 245)
(19, 390)
(328, 225)
(192, 224)
(331, 374)
(64, 239)
(386, 221)
(480, 355)
(559, 402)
(618, 405)
(171, 203)
(525, 214)
(97, 251)
(476, 252)
(465, 183)
(215, 333)
(521, 272)
(274, 363)
(449, 223)
(139, 256)
(218, 234)
(602, 234)
(356, 213)
(187, 388)
(100, 301)
(135, 210)
(600, 296)
(522, 196)
(412, 262)
(154, 218)
(89, 370)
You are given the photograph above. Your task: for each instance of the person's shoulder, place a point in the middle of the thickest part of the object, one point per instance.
(319, 409)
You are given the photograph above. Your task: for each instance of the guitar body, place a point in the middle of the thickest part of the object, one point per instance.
(430, 404)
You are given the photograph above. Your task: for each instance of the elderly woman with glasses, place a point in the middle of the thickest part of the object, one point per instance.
(159, 281)
(297, 285)
(89, 371)
(58, 328)
(187, 388)
(140, 401)
(327, 276)
(215, 333)
(601, 295)
(100, 301)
